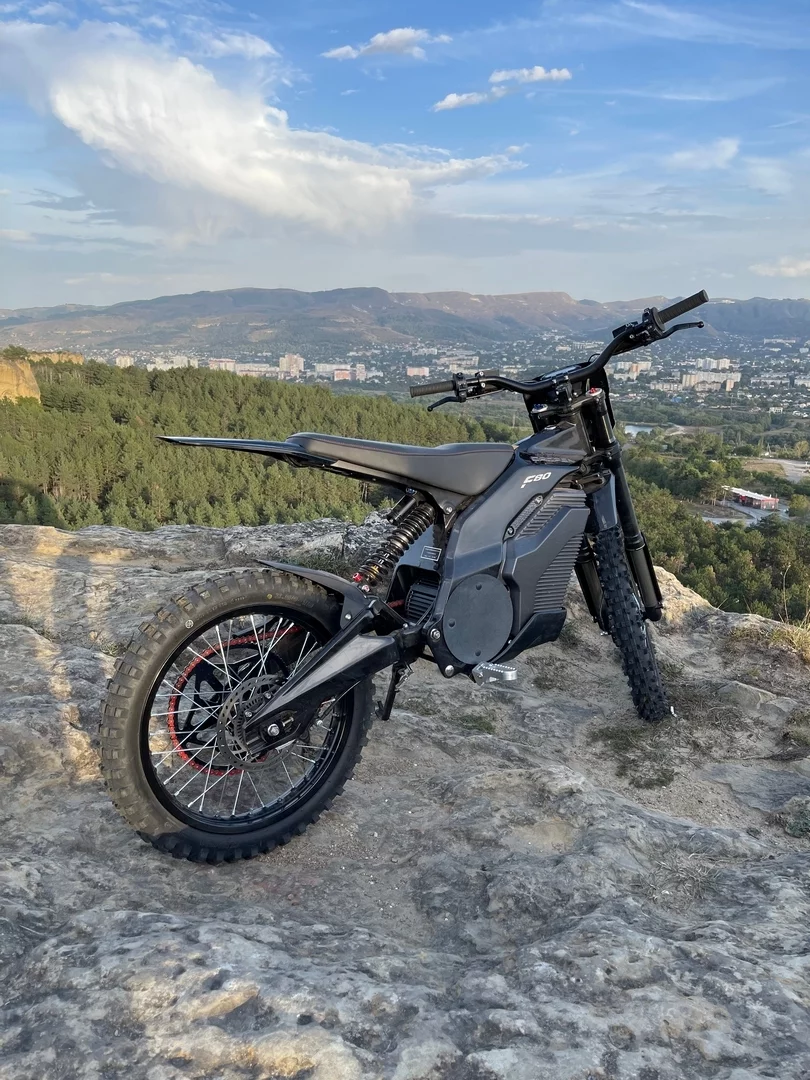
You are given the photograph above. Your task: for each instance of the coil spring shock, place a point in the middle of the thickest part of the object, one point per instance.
(410, 526)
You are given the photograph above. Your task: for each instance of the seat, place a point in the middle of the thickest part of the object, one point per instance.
(464, 468)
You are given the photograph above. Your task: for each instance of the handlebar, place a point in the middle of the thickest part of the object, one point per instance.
(674, 311)
(449, 386)
(446, 387)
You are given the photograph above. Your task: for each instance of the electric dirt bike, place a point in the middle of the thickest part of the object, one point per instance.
(241, 707)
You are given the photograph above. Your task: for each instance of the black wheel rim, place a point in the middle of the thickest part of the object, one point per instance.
(188, 740)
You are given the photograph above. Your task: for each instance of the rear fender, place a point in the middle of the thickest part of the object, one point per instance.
(354, 599)
(281, 451)
(293, 454)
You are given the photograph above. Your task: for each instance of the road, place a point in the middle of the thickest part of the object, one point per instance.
(793, 470)
(752, 514)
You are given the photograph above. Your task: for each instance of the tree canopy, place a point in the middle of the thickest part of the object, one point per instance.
(88, 454)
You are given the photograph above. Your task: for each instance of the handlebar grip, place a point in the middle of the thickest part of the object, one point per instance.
(446, 387)
(674, 311)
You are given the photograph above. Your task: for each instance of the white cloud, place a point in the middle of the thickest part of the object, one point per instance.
(786, 267)
(531, 75)
(461, 101)
(499, 79)
(768, 176)
(405, 41)
(222, 44)
(50, 10)
(716, 155)
(158, 116)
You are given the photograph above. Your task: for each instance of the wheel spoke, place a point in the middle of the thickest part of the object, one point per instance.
(224, 660)
(238, 790)
(211, 788)
(211, 681)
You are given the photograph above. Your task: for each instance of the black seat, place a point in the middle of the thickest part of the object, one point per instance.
(465, 468)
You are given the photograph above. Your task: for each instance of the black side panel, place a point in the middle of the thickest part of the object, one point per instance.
(542, 627)
(540, 559)
(477, 539)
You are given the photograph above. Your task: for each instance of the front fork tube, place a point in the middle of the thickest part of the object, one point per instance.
(638, 554)
(612, 505)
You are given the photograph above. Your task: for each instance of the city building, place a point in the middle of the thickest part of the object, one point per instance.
(291, 364)
(169, 363)
(417, 372)
(259, 371)
(222, 364)
(124, 361)
(341, 374)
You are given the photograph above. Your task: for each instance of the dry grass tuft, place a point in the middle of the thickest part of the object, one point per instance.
(787, 636)
(678, 880)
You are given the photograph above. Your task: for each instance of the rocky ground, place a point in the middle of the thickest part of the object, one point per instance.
(517, 885)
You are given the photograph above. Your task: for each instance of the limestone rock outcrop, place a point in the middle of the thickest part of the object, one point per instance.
(517, 884)
(58, 356)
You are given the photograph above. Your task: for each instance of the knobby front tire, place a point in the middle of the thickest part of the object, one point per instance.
(168, 754)
(628, 627)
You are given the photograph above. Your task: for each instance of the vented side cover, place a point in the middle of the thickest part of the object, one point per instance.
(540, 558)
(420, 599)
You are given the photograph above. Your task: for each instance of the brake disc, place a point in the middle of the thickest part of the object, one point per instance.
(231, 742)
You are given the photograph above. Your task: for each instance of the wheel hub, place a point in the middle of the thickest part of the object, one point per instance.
(234, 743)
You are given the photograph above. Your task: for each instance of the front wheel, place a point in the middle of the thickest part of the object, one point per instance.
(172, 751)
(628, 628)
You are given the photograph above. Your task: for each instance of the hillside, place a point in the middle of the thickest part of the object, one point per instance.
(90, 454)
(517, 885)
(286, 318)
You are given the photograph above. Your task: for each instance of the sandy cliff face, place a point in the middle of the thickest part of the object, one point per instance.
(517, 885)
(58, 357)
(17, 380)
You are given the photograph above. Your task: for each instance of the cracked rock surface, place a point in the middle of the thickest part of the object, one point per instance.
(520, 884)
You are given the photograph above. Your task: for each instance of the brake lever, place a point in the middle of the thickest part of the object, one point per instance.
(442, 401)
(682, 326)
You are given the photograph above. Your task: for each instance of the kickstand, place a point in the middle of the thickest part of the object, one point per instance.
(398, 676)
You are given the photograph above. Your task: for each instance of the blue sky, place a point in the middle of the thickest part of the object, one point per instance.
(605, 148)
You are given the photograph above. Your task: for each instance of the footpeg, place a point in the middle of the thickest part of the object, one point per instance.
(485, 674)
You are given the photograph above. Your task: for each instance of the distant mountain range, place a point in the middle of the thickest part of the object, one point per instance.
(284, 318)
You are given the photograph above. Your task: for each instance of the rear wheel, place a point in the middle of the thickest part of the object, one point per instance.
(628, 627)
(172, 747)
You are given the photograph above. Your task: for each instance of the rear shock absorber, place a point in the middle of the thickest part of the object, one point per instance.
(410, 521)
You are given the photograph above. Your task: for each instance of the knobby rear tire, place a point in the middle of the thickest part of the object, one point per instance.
(125, 710)
(628, 628)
